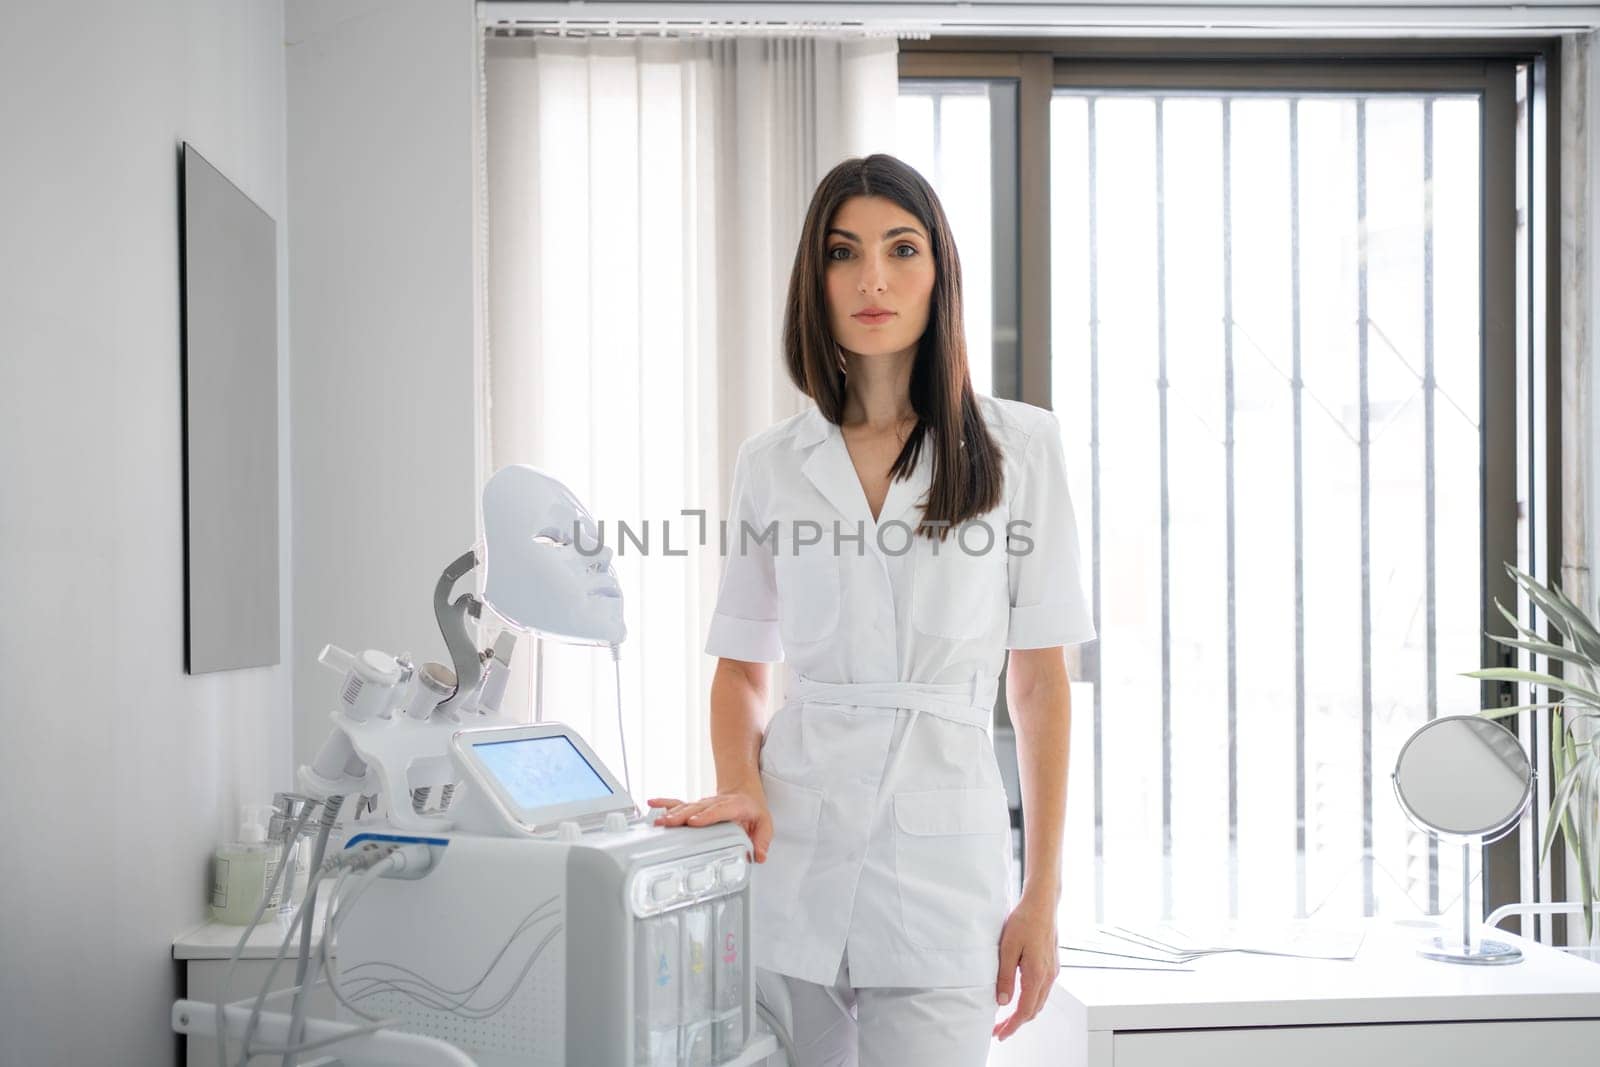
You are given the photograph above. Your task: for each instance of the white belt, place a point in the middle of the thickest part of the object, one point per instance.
(956, 701)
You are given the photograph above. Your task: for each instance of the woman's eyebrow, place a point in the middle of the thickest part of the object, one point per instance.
(886, 233)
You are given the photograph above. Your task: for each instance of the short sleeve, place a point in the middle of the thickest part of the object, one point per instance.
(1048, 605)
(744, 625)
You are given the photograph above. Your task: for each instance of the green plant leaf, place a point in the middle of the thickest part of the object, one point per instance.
(1567, 752)
(1582, 810)
(1549, 681)
(1589, 838)
(1558, 775)
(1501, 713)
(1558, 806)
(1557, 652)
(1540, 596)
(1580, 618)
(1548, 648)
(1517, 623)
(1566, 616)
(1582, 842)
(1558, 751)
(1538, 643)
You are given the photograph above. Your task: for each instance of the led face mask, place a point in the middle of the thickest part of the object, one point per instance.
(546, 570)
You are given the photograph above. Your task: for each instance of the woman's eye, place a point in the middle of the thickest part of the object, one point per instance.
(842, 248)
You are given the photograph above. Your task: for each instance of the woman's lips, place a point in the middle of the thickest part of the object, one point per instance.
(873, 320)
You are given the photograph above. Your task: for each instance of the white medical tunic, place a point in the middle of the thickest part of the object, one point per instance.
(891, 833)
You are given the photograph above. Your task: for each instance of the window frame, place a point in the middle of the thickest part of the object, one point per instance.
(1519, 329)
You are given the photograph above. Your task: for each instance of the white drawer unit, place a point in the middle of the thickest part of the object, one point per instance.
(1548, 1041)
(1388, 1006)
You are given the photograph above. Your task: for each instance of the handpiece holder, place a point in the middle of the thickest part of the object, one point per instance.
(371, 750)
(408, 755)
(391, 756)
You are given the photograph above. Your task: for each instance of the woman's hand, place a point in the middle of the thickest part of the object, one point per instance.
(745, 805)
(1028, 940)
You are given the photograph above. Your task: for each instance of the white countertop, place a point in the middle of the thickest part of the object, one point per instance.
(1386, 982)
(216, 941)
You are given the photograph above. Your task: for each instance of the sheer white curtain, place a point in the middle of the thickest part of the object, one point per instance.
(644, 201)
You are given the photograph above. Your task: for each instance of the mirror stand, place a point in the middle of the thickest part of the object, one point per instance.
(1466, 778)
(1451, 950)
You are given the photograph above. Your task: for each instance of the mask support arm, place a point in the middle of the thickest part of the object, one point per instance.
(452, 618)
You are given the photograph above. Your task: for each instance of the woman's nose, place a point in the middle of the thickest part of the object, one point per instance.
(872, 274)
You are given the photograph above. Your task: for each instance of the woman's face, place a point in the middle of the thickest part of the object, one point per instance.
(878, 256)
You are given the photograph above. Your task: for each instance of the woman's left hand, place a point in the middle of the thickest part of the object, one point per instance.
(1028, 941)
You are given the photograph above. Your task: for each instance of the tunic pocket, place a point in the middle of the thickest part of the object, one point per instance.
(952, 865)
(808, 593)
(956, 592)
(775, 882)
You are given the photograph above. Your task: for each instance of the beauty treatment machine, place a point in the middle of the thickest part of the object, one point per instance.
(552, 925)
(492, 894)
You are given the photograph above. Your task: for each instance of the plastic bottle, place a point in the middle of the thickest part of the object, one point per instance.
(240, 870)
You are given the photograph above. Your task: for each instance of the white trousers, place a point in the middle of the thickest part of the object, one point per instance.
(879, 1026)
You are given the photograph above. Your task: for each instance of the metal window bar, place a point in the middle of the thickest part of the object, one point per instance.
(1429, 515)
(1095, 516)
(1166, 520)
(1363, 343)
(1297, 395)
(1232, 531)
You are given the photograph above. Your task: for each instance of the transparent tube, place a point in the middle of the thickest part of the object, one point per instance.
(699, 986)
(729, 991)
(657, 978)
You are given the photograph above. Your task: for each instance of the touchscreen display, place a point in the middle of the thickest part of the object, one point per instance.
(537, 772)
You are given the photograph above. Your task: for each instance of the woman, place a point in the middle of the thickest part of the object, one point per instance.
(891, 543)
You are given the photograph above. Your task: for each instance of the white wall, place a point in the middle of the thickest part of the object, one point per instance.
(118, 772)
(381, 187)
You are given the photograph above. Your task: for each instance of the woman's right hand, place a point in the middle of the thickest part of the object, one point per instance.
(745, 805)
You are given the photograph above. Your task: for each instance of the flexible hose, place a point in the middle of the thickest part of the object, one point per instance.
(246, 1052)
(622, 738)
(297, 1023)
(781, 1033)
(238, 949)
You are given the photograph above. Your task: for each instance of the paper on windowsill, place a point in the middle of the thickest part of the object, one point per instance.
(1112, 960)
(1181, 942)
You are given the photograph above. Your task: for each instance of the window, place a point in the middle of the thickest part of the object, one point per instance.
(1265, 349)
(1269, 285)
(947, 130)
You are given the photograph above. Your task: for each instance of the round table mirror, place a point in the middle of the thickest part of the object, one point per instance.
(1464, 777)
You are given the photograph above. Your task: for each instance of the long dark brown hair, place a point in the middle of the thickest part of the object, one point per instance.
(967, 481)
